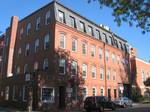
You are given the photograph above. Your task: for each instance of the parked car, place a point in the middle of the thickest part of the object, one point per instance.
(98, 103)
(123, 102)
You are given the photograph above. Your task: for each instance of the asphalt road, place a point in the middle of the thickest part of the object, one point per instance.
(135, 108)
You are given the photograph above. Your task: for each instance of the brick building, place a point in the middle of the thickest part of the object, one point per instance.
(55, 54)
(1, 51)
(140, 72)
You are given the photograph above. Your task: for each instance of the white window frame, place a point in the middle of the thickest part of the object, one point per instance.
(102, 72)
(62, 41)
(61, 16)
(36, 65)
(62, 63)
(46, 41)
(93, 50)
(108, 74)
(53, 95)
(90, 30)
(84, 68)
(107, 55)
(74, 41)
(93, 72)
(93, 91)
(74, 64)
(7, 93)
(102, 88)
(28, 28)
(86, 89)
(84, 44)
(36, 45)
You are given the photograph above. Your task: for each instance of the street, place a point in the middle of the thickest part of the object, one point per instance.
(135, 108)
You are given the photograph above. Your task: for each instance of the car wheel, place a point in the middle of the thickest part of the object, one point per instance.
(113, 107)
(101, 109)
(124, 105)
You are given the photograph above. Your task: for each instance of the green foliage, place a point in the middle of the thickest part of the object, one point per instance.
(147, 82)
(134, 12)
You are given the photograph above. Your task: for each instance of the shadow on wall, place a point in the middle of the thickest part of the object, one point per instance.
(136, 91)
(64, 63)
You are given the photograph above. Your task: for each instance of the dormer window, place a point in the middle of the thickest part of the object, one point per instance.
(90, 30)
(61, 16)
(97, 34)
(82, 26)
(72, 22)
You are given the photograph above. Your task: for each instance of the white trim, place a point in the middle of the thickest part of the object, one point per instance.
(95, 90)
(142, 61)
(103, 91)
(53, 95)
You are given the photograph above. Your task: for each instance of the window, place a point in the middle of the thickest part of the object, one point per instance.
(109, 40)
(47, 18)
(18, 70)
(102, 92)
(61, 16)
(7, 93)
(19, 52)
(36, 66)
(143, 75)
(107, 55)
(72, 22)
(93, 72)
(82, 26)
(28, 28)
(100, 53)
(26, 69)
(25, 93)
(113, 58)
(118, 58)
(94, 91)
(14, 95)
(114, 75)
(84, 92)
(36, 46)
(104, 38)
(101, 73)
(21, 33)
(84, 48)
(97, 34)
(84, 70)
(46, 42)
(115, 93)
(93, 51)
(38, 20)
(48, 95)
(74, 45)
(62, 41)
(62, 66)
(45, 64)
(27, 50)
(90, 30)
(74, 68)
(109, 93)
(108, 74)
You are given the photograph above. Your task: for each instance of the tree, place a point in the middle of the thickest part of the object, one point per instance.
(131, 11)
(147, 82)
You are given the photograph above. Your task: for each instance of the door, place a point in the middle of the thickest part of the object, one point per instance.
(62, 97)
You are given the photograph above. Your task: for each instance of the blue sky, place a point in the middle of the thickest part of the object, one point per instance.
(133, 35)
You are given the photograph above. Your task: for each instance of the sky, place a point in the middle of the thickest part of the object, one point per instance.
(133, 35)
